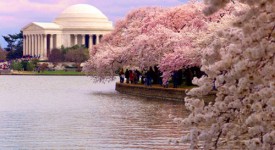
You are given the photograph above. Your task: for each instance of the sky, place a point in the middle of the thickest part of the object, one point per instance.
(15, 14)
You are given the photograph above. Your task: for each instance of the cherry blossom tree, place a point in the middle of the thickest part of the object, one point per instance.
(115, 49)
(149, 37)
(240, 63)
(192, 24)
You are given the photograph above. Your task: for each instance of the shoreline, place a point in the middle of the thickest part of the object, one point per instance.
(49, 73)
(158, 92)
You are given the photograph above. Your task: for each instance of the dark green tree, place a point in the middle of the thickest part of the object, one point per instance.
(14, 54)
(14, 41)
(14, 45)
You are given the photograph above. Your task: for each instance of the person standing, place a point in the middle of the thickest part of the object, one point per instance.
(127, 75)
(131, 76)
(137, 75)
(121, 75)
(149, 75)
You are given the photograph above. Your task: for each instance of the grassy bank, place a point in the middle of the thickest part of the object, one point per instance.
(59, 72)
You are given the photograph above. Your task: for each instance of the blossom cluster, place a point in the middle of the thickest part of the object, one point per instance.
(240, 64)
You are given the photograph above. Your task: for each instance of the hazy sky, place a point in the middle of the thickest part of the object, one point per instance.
(15, 14)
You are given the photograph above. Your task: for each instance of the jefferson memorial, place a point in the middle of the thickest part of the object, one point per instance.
(79, 24)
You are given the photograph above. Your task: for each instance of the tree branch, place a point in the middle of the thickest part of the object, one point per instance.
(220, 133)
(269, 37)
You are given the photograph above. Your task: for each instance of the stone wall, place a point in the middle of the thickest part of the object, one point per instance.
(176, 94)
(151, 92)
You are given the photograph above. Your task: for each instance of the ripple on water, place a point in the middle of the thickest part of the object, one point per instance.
(45, 112)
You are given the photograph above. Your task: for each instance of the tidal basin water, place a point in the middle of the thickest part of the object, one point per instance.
(54, 112)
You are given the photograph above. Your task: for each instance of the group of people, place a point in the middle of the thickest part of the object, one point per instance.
(146, 77)
(131, 76)
(153, 76)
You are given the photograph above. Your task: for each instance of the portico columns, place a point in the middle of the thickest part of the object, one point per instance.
(44, 53)
(37, 45)
(29, 44)
(83, 39)
(24, 45)
(51, 42)
(97, 39)
(33, 43)
(41, 44)
(91, 41)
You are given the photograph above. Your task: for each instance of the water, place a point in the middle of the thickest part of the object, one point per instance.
(52, 112)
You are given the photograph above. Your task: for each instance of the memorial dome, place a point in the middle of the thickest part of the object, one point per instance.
(83, 16)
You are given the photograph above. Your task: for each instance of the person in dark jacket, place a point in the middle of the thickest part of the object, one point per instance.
(149, 74)
(127, 75)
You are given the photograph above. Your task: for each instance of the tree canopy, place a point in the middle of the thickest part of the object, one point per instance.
(153, 36)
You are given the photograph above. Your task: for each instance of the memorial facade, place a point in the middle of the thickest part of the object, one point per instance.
(79, 24)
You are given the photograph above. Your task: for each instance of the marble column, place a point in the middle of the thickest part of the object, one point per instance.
(97, 39)
(33, 45)
(24, 45)
(90, 41)
(45, 45)
(36, 44)
(41, 44)
(51, 42)
(83, 39)
(69, 40)
(29, 44)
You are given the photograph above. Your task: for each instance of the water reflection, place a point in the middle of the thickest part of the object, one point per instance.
(39, 112)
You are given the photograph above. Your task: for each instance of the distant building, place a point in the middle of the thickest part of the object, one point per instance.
(79, 24)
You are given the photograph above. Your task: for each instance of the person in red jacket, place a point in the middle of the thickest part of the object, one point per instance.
(131, 76)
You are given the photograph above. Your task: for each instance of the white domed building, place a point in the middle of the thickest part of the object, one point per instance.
(79, 24)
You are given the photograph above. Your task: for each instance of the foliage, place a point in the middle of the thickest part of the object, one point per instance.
(56, 56)
(43, 67)
(30, 66)
(77, 55)
(14, 54)
(16, 65)
(35, 61)
(14, 45)
(3, 54)
(15, 41)
(24, 64)
(240, 61)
